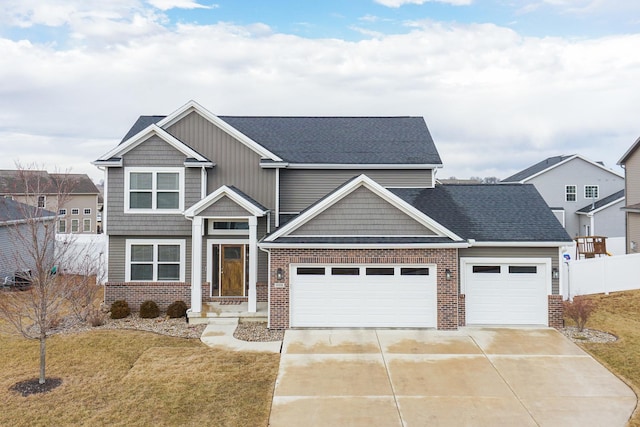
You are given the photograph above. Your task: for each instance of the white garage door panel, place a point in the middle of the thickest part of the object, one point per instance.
(363, 301)
(506, 298)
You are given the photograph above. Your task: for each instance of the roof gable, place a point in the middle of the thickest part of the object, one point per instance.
(548, 164)
(225, 195)
(629, 152)
(12, 211)
(325, 205)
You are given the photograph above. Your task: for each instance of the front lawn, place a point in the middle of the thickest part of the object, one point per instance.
(138, 379)
(619, 314)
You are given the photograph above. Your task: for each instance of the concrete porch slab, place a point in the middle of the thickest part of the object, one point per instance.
(219, 334)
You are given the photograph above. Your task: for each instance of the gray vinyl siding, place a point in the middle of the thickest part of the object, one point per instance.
(117, 254)
(299, 188)
(236, 164)
(16, 246)
(362, 213)
(224, 207)
(505, 252)
(607, 222)
(148, 154)
(263, 257)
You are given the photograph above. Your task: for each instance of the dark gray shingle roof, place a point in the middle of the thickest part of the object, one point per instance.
(342, 140)
(141, 124)
(38, 182)
(494, 213)
(10, 210)
(537, 168)
(602, 202)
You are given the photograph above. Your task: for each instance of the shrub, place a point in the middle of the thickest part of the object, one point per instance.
(149, 310)
(579, 310)
(120, 309)
(177, 309)
(96, 318)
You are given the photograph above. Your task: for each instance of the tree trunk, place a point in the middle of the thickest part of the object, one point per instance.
(43, 354)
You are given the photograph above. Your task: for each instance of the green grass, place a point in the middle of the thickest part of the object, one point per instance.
(619, 314)
(137, 379)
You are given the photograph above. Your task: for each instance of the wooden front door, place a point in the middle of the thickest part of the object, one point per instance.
(232, 271)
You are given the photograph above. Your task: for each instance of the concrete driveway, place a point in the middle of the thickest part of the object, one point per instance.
(470, 377)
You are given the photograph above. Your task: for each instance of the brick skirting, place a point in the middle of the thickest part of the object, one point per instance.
(462, 310)
(135, 293)
(556, 311)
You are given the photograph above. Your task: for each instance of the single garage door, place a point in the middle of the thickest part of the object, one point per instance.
(363, 296)
(506, 293)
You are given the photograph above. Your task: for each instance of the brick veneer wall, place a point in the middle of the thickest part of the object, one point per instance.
(447, 305)
(556, 311)
(135, 293)
(462, 310)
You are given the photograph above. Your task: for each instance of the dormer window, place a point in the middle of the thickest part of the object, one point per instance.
(159, 190)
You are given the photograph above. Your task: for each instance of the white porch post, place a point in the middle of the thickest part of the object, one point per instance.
(196, 264)
(253, 263)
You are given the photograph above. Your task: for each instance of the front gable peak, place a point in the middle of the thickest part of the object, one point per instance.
(225, 196)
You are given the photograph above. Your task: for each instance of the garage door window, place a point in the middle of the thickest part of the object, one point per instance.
(310, 271)
(345, 271)
(523, 269)
(414, 271)
(380, 271)
(486, 269)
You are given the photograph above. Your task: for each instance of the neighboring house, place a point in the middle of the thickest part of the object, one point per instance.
(17, 222)
(630, 161)
(329, 221)
(585, 196)
(77, 212)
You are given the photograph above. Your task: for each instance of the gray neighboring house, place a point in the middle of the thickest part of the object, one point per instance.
(585, 196)
(16, 221)
(321, 222)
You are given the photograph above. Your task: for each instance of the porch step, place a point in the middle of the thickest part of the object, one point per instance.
(212, 310)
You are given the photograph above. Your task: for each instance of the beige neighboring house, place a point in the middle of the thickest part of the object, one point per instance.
(77, 213)
(631, 163)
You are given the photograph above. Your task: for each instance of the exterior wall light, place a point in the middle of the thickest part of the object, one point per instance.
(555, 273)
(447, 274)
(279, 274)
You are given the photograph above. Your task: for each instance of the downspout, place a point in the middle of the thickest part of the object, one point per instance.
(268, 285)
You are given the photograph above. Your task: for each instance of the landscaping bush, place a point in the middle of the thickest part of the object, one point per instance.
(579, 310)
(95, 318)
(149, 310)
(177, 309)
(120, 309)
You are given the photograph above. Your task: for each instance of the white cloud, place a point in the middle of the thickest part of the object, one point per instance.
(399, 3)
(180, 4)
(495, 101)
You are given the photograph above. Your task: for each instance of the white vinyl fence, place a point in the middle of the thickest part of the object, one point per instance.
(82, 254)
(601, 275)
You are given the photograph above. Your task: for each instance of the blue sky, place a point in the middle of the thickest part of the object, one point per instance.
(502, 84)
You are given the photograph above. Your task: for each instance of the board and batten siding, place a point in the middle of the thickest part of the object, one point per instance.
(506, 252)
(152, 152)
(117, 254)
(632, 183)
(236, 164)
(299, 188)
(224, 207)
(362, 213)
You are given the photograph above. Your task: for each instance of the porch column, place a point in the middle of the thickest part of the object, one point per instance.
(253, 263)
(196, 264)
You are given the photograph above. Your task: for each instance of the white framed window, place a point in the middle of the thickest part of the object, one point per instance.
(591, 192)
(86, 225)
(87, 211)
(154, 190)
(75, 211)
(62, 226)
(571, 192)
(229, 227)
(62, 212)
(42, 201)
(155, 260)
(75, 225)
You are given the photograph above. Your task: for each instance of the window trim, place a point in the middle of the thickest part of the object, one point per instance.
(154, 183)
(597, 188)
(62, 211)
(84, 222)
(44, 201)
(62, 221)
(575, 193)
(77, 222)
(155, 243)
(211, 230)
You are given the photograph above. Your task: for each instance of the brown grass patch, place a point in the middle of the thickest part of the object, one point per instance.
(619, 314)
(136, 378)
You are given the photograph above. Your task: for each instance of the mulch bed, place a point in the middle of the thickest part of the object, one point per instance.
(33, 386)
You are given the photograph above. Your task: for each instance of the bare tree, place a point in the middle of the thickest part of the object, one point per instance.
(39, 257)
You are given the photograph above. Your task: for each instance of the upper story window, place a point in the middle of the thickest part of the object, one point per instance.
(62, 212)
(42, 201)
(87, 211)
(591, 192)
(570, 191)
(75, 211)
(158, 190)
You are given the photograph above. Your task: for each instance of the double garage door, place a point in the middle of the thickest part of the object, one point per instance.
(506, 292)
(363, 296)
